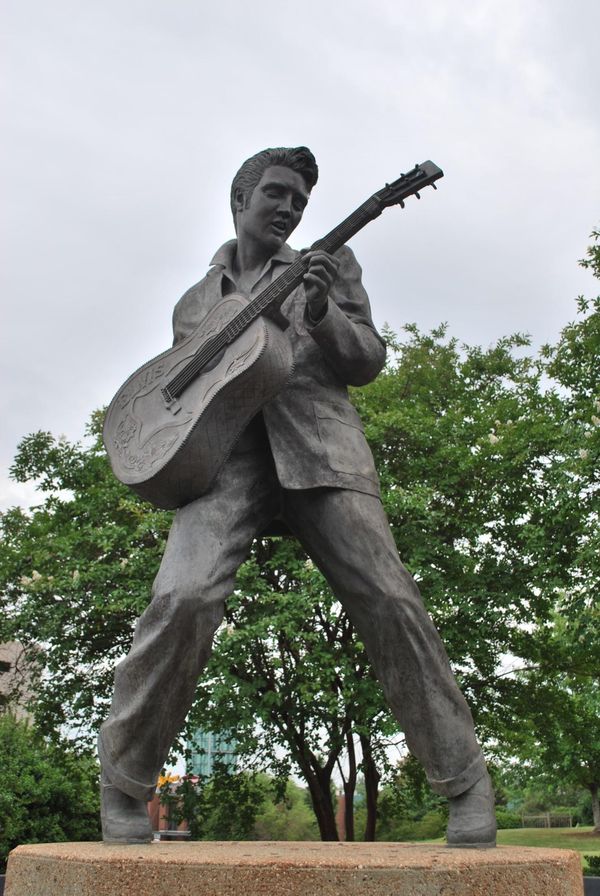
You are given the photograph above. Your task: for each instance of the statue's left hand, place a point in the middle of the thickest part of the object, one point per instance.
(322, 271)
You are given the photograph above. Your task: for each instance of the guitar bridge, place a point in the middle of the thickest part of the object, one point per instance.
(171, 403)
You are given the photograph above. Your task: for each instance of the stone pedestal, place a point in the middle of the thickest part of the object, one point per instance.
(289, 869)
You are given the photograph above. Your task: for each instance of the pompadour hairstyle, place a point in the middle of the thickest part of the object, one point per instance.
(298, 158)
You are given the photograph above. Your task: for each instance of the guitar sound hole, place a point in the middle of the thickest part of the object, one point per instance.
(213, 361)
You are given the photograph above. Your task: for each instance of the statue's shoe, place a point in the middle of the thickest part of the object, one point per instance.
(124, 819)
(472, 821)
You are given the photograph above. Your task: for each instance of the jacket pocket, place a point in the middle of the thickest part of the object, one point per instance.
(343, 440)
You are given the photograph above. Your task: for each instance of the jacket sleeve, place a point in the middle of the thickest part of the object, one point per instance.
(183, 315)
(345, 333)
(192, 306)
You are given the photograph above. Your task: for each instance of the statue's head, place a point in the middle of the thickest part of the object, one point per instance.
(298, 158)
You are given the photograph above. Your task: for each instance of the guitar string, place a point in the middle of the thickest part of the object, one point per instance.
(282, 286)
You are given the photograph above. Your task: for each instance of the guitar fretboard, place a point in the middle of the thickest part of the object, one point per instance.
(276, 293)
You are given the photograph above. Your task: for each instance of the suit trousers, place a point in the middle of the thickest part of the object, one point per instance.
(347, 534)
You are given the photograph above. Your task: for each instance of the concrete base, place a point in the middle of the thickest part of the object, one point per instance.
(286, 869)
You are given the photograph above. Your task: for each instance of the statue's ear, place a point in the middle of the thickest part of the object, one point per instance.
(239, 200)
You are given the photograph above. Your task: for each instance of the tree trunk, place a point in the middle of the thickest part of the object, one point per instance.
(317, 777)
(595, 807)
(349, 789)
(319, 786)
(372, 778)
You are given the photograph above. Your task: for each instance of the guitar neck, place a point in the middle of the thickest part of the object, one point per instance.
(271, 297)
(275, 294)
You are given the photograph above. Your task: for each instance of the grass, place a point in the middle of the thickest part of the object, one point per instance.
(581, 839)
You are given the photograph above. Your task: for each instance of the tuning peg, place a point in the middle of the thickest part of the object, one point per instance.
(434, 186)
(402, 203)
(418, 195)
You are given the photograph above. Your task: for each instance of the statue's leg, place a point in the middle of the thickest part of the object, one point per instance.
(155, 682)
(348, 535)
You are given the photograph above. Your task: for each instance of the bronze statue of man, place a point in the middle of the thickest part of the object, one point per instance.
(304, 459)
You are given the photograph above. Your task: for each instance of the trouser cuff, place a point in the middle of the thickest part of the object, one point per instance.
(135, 789)
(451, 787)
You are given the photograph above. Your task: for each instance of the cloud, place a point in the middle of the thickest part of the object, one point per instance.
(124, 124)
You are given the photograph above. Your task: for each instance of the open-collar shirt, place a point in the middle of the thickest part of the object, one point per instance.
(315, 434)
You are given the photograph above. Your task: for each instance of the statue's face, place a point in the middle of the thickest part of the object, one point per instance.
(275, 208)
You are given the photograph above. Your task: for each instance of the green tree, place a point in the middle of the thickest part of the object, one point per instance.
(49, 791)
(558, 740)
(567, 549)
(223, 806)
(75, 573)
(291, 682)
(559, 705)
(286, 814)
(457, 435)
(239, 805)
(482, 463)
(409, 810)
(461, 435)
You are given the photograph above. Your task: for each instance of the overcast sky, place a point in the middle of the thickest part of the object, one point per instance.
(125, 120)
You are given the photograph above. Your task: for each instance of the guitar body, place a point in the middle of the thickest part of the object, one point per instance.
(170, 454)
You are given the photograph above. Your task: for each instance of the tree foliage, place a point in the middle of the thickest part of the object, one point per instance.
(559, 694)
(239, 805)
(285, 815)
(292, 684)
(488, 460)
(75, 573)
(460, 437)
(408, 808)
(222, 806)
(48, 792)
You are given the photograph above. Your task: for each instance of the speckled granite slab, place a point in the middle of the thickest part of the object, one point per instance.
(286, 869)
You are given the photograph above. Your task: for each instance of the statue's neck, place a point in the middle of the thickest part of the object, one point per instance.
(249, 262)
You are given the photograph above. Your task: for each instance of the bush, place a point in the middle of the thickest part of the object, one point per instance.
(48, 792)
(430, 827)
(287, 818)
(506, 819)
(593, 863)
(220, 807)
(408, 808)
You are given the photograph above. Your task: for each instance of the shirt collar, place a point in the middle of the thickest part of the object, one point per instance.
(225, 255)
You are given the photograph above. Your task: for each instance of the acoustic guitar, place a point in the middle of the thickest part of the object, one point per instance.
(173, 423)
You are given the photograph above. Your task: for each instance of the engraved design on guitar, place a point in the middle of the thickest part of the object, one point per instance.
(147, 459)
(236, 364)
(132, 460)
(124, 434)
(219, 318)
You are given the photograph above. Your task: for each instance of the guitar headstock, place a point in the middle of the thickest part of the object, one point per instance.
(409, 184)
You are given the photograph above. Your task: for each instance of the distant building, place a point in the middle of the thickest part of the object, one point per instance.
(208, 748)
(16, 680)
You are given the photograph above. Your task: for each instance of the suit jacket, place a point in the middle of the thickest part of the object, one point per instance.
(315, 434)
